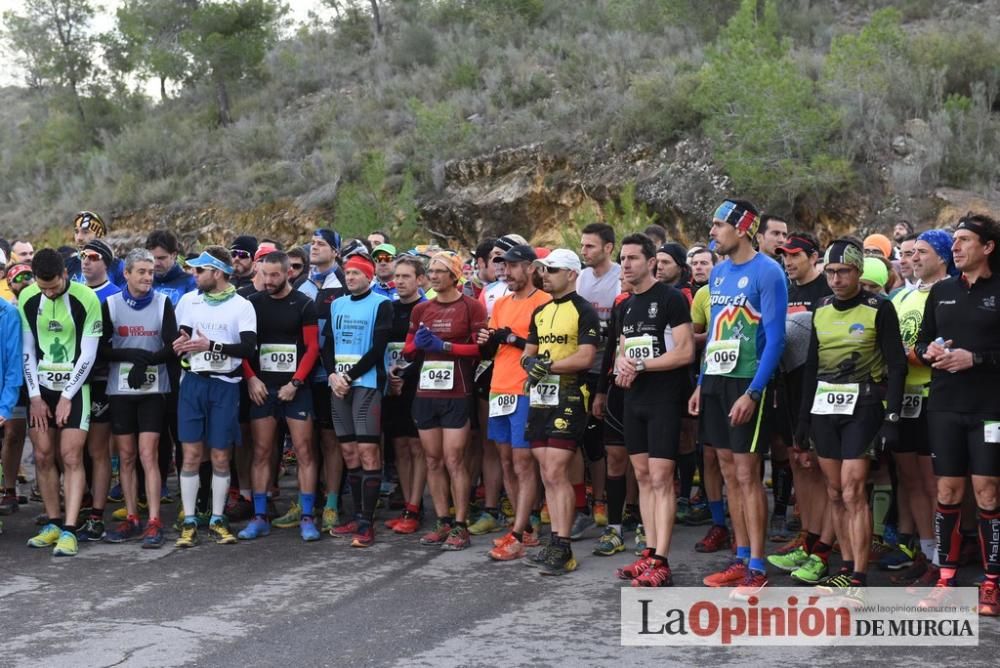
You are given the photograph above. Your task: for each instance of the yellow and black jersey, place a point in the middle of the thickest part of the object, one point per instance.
(560, 327)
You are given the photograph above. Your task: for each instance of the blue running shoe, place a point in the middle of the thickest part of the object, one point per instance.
(257, 527)
(308, 530)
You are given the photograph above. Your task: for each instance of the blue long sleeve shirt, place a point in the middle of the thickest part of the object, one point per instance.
(11, 369)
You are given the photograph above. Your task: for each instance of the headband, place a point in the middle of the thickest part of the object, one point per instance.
(738, 216)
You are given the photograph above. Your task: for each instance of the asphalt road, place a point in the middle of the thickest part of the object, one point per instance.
(278, 601)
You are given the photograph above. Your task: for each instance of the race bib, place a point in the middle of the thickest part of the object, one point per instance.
(209, 362)
(639, 347)
(394, 352)
(437, 375)
(279, 357)
(150, 383)
(481, 368)
(545, 393)
(502, 404)
(835, 399)
(913, 402)
(54, 375)
(721, 357)
(344, 363)
(991, 431)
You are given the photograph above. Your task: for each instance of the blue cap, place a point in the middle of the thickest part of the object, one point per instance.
(206, 259)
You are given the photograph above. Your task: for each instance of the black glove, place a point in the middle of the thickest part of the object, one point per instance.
(888, 436)
(138, 356)
(499, 336)
(801, 437)
(137, 376)
(538, 370)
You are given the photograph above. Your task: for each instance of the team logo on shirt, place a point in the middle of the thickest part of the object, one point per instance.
(742, 283)
(857, 329)
(653, 308)
(990, 303)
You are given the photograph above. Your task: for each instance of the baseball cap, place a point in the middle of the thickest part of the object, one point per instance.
(520, 253)
(561, 258)
(796, 244)
(384, 248)
(508, 241)
(264, 249)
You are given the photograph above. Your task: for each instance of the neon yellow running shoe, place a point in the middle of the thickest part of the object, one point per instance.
(329, 519)
(291, 519)
(47, 537)
(66, 546)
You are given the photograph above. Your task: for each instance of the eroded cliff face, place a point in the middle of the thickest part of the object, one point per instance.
(538, 191)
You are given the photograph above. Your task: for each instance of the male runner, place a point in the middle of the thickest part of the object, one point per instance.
(504, 340)
(218, 329)
(138, 334)
(560, 349)
(746, 338)
(87, 227)
(444, 328)
(654, 351)
(60, 327)
(21, 252)
(170, 278)
(15, 427)
(242, 251)
(771, 234)
(958, 339)
(12, 379)
(357, 333)
(277, 382)
(397, 407)
(855, 362)
(384, 256)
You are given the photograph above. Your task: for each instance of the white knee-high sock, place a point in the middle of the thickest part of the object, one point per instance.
(220, 488)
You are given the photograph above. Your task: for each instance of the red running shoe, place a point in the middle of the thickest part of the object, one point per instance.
(733, 574)
(716, 539)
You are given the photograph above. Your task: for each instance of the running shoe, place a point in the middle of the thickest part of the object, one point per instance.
(543, 515)
(119, 514)
(438, 535)
(152, 536)
(939, 595)
(609, 543)
(123, 532)
(989, 598)
(778, 531)
(47, 537)
(115, 494)
(307, 529)
(913, 572)
(928, 579)
(838, 583)
(536, 558)
(508, 550)
(66, 546)
(258, 527)
(329, 519)
(657, 574)
(530, 539)
(91, 531)
(458, 539)
(636, 568)
(484, 524)
(683, 511)
(392, 521)
(792, 545)
(716, 539)
(879, 549)
(601, 513)
(581, 524)
(220, 531)
(345, 530)
(497, 542)
(558, 562)
(730, 576)
(365, 535)
(8, 504)
(810, 572)
(789, 562)
(507, 508)
(189, 535)
(901, 557)
(640, 539)
(290, 519)
(407, 525)
(201, 519)
(238, 509)
(751, 585)
(165, 496)
(698, 515)
(36, 494)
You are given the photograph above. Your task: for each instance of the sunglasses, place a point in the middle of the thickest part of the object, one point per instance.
(241, 255)
(553, 270)
(93, 256)
(843, 272)
(296, 265)
(23, 277)
(382, 257)
(199, 270)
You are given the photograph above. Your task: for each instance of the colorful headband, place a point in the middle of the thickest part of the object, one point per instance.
(737, 216)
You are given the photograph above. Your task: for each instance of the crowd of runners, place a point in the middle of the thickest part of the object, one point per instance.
(629, 384)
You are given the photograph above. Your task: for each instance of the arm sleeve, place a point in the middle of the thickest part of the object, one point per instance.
(310, 335)
(104, 349)
(380, 339)
(409, 347)
(477, 321)
(891, 344)
(809, 371)
(245, 348)
(12, 372)
(83, 366)
(30, 362)
(774, 304)
(168, 332)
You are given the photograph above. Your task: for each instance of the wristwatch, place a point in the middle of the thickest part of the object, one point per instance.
(511, 338)
(977, 359)
(296, 383)
(892, 417)
(640, 365)
(216, 347)
(446, 346)
(755, 395)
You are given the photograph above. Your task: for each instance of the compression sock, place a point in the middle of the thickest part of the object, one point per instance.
(989, 541)
(220, 488)
(307, 502)
(259, 504)
(190, 483)
(881, 500)
(949, 540)
(357, 491)
(781, 477)
(371, 483)
(718, 512)
(616, 500)
(686, 464)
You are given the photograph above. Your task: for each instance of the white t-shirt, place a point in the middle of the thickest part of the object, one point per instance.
(220, 323)
(601, 293)
(491, 293)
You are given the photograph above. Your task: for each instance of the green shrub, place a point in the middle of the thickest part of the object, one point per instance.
(416, 46)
